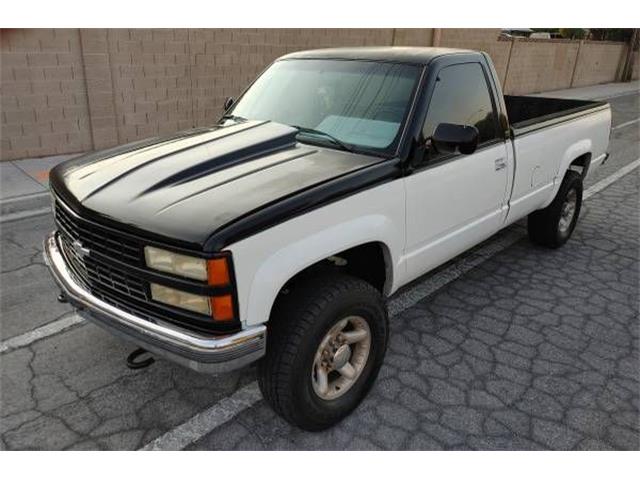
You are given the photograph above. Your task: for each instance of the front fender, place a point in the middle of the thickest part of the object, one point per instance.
(266, 261)
(294, 258)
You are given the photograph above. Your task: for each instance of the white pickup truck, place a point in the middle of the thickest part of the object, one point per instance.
(335, 179)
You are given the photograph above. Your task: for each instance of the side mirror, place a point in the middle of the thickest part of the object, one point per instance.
(449, 137)
(228, 103)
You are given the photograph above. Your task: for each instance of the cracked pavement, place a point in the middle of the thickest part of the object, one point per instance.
(531, 349)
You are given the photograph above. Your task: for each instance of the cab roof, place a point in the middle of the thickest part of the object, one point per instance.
(415, 55)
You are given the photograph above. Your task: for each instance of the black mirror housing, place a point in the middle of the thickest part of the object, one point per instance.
(449, 137)
(228, 103)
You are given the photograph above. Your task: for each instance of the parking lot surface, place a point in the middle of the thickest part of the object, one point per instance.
(520, 348)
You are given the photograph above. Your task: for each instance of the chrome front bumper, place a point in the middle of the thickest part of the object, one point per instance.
(198, 352)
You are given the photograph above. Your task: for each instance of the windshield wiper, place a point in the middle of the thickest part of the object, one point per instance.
(312, 131)
(235, 118)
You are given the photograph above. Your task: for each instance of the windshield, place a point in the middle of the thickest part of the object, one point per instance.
(356, 103)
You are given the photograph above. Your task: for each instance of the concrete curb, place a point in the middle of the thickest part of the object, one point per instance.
(12, 208)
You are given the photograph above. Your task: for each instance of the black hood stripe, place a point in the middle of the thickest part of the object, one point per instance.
(237, 177)
(90, 159)
(144, 162)
(121, 156)
(221, 162)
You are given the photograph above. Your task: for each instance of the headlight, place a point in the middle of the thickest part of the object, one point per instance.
(215, 271)
(176, 263)
(178, 298)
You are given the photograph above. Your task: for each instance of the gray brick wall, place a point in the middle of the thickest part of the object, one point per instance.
(70, 90)
(43, 93)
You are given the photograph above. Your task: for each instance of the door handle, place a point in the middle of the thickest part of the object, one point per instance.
(500, 163)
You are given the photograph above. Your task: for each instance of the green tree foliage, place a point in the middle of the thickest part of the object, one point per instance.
(611, 34)
(574, 33)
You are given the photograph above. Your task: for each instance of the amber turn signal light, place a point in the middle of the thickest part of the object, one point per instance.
(218, 272)
(222, 308)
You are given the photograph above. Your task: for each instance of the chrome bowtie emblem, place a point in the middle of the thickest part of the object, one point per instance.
(80, 250)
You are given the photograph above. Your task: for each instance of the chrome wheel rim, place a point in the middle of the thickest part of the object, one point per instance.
(568, 211)
(341, 357)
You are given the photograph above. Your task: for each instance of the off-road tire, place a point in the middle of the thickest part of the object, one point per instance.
(299, 321)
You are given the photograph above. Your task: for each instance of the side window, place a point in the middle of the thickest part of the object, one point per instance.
(461, 96)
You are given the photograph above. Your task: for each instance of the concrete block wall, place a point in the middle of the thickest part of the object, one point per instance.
(151, 82)
(599, 62)
(413, 37)
(484, 39)
(224, 62)
(43, 94)
(554, 59)
(75, 90)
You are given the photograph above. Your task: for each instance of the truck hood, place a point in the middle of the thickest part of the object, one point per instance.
(188, 186)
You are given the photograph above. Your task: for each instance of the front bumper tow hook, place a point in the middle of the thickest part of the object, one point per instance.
(134, 364)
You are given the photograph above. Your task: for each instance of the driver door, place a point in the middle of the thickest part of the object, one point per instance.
(454, 201)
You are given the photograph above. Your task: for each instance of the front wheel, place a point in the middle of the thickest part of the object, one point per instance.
(327, 340)
(552, 226)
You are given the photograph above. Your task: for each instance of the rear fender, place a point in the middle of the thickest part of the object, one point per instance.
(575, 151)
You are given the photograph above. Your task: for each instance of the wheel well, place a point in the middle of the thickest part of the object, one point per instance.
(581, 164)
(368, 262)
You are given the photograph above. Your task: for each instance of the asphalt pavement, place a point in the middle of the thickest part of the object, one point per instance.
(509, 346)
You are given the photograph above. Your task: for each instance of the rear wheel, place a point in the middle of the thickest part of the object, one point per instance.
(552, 226)
(326, 343)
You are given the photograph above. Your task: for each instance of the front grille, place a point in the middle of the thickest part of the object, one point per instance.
(95, 271)
(97, 276)
(99, 240)
(107, 262)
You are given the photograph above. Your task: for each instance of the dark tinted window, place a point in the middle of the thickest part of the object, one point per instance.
(461, 96)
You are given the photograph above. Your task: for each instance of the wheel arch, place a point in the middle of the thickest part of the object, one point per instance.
(576, 157)
(581, 164)
(370, 261)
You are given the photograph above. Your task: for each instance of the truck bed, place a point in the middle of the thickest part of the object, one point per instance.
(527, 114)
